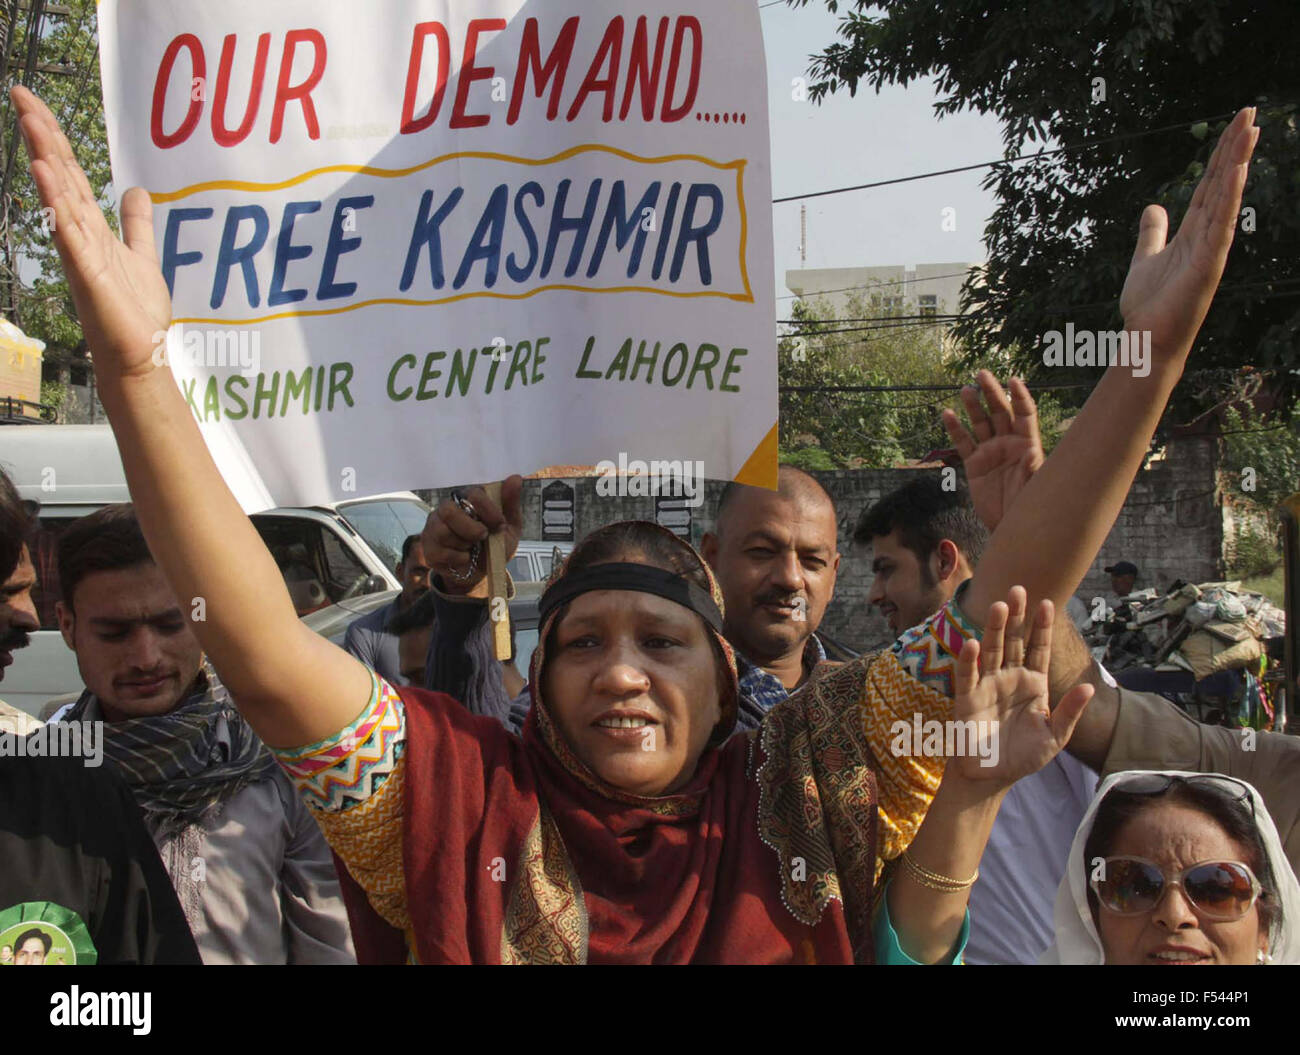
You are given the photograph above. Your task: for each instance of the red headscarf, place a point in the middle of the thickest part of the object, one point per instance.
(515, 851)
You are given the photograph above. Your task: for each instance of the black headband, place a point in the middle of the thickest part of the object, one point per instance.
(642, 578)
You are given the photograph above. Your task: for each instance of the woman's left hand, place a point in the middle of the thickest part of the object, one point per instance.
(1006, 696)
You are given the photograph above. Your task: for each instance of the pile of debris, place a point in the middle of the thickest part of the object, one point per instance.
(1201, 630)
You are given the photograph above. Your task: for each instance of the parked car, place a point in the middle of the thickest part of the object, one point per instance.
(328, 554)
(533, 561)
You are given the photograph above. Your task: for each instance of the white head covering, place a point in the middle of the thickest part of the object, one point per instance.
(1077, 941)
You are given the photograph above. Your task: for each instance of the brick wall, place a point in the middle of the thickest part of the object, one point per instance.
(1171, 527)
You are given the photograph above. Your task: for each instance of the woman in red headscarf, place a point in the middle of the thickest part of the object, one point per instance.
(568, 845)
(617, 830)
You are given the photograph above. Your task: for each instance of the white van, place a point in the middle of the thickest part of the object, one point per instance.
(327, 554)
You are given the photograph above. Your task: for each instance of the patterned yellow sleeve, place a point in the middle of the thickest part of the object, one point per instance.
(353, 783)
(907, 703)
(894, 705)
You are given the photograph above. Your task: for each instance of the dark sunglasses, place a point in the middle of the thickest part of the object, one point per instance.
(1218, 890)
(1158, 783)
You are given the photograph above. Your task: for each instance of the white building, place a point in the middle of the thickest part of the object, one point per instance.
(927, 289)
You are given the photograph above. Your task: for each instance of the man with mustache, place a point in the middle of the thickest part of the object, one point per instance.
(254, 875)
(774, 554)
(74, 848)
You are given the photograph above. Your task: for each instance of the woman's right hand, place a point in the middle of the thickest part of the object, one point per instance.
(122, 300)
(1000, 684)
(451, 534)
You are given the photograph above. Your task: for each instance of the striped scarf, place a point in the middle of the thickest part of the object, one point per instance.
(183, 765)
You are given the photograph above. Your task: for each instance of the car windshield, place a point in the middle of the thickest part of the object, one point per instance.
(385, 524)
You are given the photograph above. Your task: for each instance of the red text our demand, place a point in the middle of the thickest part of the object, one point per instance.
(638, 71)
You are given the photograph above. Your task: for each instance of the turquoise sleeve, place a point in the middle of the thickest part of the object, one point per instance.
(888, 951)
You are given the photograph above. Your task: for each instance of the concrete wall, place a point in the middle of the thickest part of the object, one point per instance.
(1171, 527)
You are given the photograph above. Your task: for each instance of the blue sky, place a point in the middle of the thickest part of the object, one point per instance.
(845, 141)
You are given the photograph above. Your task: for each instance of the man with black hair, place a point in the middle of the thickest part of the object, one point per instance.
(33, 946)
(75, 851)
(369, 639)
(1123, 577)
(925, 540)
(255, 878)
(18, 621)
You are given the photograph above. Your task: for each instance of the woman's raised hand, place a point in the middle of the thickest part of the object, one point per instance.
(1002, 681)
(1169, 286)
(121, 298)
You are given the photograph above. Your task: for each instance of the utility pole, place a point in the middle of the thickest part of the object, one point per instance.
(803, 235)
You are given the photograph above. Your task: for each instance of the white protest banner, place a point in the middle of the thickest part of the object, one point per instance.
(414, 243)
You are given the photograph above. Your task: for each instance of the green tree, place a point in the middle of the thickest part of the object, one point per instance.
(56, 53)
(1260, 468)
(1261, 459)
(872, 347)
(824, 428)
(1146, 85)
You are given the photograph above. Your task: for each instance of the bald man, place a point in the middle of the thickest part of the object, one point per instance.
(774, 553)
(775, 556)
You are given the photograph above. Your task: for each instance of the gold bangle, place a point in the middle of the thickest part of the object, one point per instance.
(934, 880)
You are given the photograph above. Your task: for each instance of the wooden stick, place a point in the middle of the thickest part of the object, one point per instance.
(498, 606)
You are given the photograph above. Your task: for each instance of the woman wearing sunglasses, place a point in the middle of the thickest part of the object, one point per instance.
(1177, 869)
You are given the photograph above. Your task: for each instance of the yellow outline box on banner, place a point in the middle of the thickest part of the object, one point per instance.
(367, 170)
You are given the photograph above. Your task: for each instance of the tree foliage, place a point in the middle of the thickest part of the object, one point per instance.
(826, 429)
(61, 64)
(1146, 85)
(1261, 459)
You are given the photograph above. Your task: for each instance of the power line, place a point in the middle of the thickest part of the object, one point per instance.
(866, 318)
(862, 329)
(886, 321)
(1087, 144)
(1033, 387)
(870, 285)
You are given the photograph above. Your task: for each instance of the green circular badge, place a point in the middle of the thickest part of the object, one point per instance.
(41, 932)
